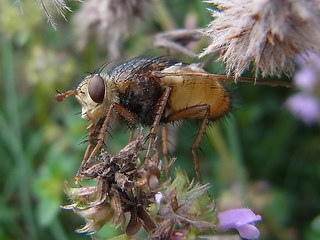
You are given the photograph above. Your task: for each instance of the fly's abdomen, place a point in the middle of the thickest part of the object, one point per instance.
(192, 94)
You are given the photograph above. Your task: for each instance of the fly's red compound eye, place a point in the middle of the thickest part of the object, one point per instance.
(96, 89)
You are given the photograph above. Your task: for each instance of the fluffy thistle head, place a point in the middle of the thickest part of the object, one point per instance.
(267, 32)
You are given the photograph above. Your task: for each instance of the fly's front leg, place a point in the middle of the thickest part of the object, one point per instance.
(91, 128)
(94, 129)
(88, 156)
(158, 115)
(189, 113)
(129, 116)
(92, 135)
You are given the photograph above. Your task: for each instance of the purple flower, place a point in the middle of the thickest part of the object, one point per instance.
(304, 106)
(241, 219)
(306, 78)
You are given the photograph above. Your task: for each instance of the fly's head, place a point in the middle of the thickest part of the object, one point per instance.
(95, 94)
(91, 94)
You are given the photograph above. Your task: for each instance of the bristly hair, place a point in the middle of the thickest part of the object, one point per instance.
(144, 62)
(102, 67)
(136, 65)
(59, 5)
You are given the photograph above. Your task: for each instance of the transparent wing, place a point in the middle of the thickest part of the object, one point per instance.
(169, 78)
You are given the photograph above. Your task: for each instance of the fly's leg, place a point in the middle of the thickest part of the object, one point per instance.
(165, 148)
(189, 113)
(88, 156)
(128, 115)
(162, 102)
(196, 143)
(94, 130)
(131, 133)
(91, 128)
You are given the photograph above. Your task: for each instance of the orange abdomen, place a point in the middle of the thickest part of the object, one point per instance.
(189, 94)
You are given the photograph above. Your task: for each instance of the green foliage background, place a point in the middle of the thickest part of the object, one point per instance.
(259, 156)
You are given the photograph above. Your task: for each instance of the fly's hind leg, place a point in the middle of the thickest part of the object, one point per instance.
(196, 143)
(165, 150)
(190, 112)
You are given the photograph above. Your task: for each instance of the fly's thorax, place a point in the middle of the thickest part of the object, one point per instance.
(95, 94)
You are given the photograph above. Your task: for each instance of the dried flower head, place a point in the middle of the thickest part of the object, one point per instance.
(121, 188)
(164, 210)
(108, 21)
(267, 32)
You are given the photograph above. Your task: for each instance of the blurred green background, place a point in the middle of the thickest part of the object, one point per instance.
(259, 156)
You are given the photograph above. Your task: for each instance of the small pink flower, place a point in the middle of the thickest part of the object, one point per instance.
(241, 219)
(304, 106)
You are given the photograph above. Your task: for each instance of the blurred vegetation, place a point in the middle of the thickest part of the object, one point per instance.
(258, 157)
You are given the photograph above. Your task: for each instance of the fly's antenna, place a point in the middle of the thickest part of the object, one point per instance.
(62, 96)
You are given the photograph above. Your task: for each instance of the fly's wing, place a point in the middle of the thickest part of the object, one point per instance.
(171, 78)
(198, 87)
